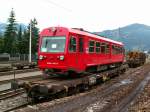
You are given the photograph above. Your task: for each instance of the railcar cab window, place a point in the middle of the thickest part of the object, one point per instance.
(72, 44)
(53, 44)
(98, 45)
(91, 46)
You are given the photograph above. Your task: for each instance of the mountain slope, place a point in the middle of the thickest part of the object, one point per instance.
(134, 36)
(3, 27)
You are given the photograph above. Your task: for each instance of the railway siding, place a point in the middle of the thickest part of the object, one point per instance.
(17, 71)
(112, 96)
(6, 78)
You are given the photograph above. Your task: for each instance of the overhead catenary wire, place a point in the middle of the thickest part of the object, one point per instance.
(58, 5)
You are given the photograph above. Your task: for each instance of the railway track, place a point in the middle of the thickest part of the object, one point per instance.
(10, 93)
(102, 98)
(16, 71)
(20, 76)
(14, 99)
(18, 98)
(71, 103)
(15, 102)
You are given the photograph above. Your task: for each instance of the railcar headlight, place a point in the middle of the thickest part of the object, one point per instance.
(54, 29)
(61, 57)
(41, 57)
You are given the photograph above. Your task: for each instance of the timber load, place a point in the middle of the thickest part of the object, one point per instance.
(135, 58)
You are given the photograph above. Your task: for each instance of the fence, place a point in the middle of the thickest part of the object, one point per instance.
(4, 57)
(17, 57)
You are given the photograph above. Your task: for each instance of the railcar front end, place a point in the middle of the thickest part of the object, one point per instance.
(52, 50)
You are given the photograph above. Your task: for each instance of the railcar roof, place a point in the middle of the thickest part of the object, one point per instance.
(93, 35)
(88, 34)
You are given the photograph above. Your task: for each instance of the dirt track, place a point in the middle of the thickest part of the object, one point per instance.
(142, 103)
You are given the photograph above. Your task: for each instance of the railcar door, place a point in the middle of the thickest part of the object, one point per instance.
(72, 53)
(80, 53)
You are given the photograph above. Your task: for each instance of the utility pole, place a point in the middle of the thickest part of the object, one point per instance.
(30, 40)
(119, 32)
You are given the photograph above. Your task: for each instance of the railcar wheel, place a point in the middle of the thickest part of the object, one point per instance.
(31, 66)
(20, 67)
(84, 87)
(72, 74)
(71, 91)
(61, 94)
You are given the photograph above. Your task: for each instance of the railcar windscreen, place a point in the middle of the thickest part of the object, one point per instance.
(53, 44)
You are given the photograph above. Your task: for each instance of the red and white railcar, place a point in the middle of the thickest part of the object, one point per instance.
(62, 50)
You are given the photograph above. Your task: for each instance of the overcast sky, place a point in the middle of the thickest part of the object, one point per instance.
(92, 15)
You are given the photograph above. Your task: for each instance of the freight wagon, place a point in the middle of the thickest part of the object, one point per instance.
(135, 58)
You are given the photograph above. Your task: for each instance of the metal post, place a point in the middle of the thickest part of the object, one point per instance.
(14, 77)
(30, 42)
(14, 74)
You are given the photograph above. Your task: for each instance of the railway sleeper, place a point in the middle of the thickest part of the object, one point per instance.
(67, 87)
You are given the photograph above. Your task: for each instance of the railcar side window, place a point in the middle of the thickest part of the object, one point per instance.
(120, 51)
(117, 49)
(98, 47)
(107, 48)
(114, 49)
(91, 46)
(103, 48)
(123, 50)
(80, 44)
(72, 44)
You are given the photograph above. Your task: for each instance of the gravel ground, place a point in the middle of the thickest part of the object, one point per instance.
(10, 103)
(142, 103)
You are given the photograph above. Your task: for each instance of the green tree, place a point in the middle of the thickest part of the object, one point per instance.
(10, 35)
(25, 42)
(1, 44)
(20, 41)
(34, 34)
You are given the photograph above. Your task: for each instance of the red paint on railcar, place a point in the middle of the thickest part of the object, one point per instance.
(62, 49)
